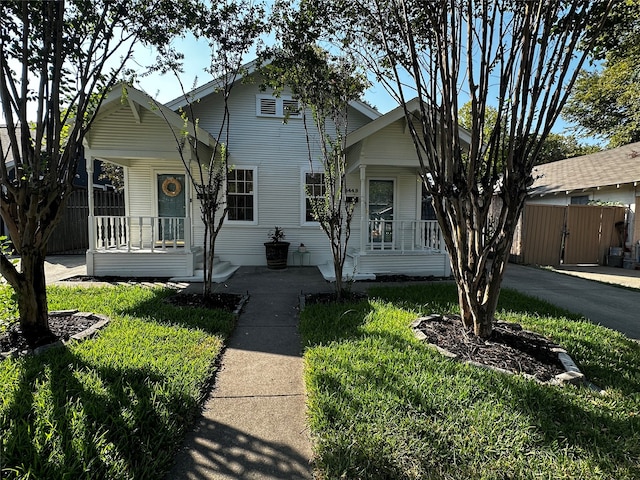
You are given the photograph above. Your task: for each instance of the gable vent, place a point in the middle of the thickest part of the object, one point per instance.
(290, 107)
(267, 106)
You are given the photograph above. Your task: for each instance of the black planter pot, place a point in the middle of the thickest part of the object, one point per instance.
(277, 253)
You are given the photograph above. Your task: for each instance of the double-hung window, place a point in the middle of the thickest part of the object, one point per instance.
(314, 190)
(241, 199)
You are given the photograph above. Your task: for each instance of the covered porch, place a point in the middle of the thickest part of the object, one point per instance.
(155, 237)
(396, 231)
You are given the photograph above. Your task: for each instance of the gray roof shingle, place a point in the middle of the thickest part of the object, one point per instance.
(608, 168)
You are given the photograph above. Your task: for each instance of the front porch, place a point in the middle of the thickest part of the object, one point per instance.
(148, 246)
(396, 247)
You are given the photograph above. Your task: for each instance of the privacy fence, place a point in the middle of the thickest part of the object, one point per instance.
(71, 234)
(554, 234)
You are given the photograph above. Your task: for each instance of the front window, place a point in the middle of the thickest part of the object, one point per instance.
(314, 189)
(240, 195)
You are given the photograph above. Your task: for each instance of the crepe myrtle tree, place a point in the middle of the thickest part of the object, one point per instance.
(324, 85)
(521, 58)
(231, 28)
(57, 61)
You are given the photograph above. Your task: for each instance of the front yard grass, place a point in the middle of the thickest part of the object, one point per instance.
(116, 406)
(382, 405)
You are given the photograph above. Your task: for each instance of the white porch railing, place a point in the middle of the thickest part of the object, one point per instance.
(404, 236)
(151, 234)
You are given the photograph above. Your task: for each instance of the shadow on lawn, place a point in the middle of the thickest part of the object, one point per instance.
(437, 422)
(68, 430)
(158, 308)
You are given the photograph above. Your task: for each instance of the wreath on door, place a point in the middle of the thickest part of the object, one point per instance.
(171, 187)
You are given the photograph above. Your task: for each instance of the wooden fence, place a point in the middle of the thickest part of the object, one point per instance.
(554, 234)
(71, 234)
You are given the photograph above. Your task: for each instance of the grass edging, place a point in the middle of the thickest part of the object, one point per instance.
(381, 404)
(116, 405)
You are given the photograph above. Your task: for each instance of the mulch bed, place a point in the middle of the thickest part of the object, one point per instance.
(330, 297)
(65, 325)
(510, 347)
(111, 279)
(229, 302)
(62, 326)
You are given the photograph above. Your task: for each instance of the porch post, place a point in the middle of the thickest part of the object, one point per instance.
(364, 223)
(187, 210)
(91, 220)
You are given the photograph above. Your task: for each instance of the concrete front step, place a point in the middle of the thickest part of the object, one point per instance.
(221, 273)
(348, 273)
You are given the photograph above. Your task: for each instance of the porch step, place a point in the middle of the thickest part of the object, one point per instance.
(348, 273)
(222, 270)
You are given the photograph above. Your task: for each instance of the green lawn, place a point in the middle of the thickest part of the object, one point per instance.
(116, 406)
(384, 406)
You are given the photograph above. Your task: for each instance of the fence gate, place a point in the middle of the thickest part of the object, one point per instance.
(590, 232)
(552, 234)
(542, 231)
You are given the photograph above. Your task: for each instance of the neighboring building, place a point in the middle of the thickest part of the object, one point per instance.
(161, 234)
(607, 177)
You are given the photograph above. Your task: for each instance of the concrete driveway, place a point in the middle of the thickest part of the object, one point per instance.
(569, 287)
(608, 305)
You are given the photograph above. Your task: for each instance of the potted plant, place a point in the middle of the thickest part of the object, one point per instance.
(276, 250)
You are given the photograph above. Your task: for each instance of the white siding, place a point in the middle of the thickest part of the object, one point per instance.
(279, 151)
(159, 264)
(118, 131)
(390, 146)
(436, 264)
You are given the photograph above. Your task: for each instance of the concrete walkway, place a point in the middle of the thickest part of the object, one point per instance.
(253, 425)
(573, 289)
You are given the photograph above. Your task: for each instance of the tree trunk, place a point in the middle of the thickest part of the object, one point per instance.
(32, 300)
(337, 268)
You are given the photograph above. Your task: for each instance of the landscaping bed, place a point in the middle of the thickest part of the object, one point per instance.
(117, 405)
(385, 405)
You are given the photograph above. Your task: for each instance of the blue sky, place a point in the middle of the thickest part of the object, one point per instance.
(196, 52)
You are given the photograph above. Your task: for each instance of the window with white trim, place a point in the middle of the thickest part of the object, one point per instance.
(241, 195)
(314, 190)
(279, 107)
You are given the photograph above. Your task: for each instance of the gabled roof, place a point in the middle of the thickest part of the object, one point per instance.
(387, 119)
(248, 69)
(138, 99)
(5, 141)
(614, 167)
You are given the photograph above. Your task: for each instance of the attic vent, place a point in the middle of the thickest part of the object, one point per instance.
(290, 107)
(279, 107)
(267, 106)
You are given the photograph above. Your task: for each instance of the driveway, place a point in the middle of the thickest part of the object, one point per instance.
(570, 287)
(612, 306)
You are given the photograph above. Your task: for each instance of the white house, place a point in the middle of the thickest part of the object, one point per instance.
(162, 234)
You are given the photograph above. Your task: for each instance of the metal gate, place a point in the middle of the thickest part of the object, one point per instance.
(553, 234)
